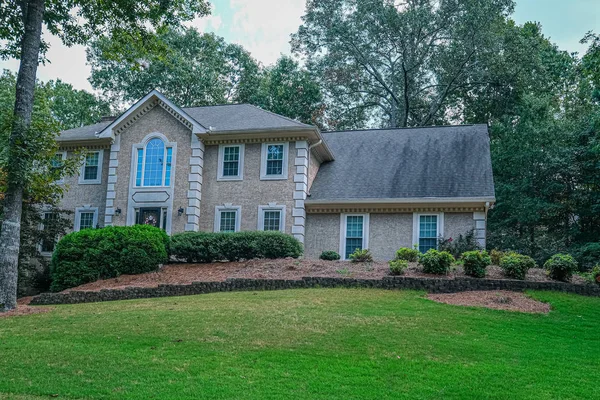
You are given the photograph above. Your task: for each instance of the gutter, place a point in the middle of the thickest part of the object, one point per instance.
(406, 200)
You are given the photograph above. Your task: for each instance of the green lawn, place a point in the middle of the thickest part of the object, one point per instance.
(313, 344)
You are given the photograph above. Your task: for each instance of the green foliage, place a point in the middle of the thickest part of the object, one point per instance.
(587, 255)
(475, 262)
(398, 266)
(561, 267)
(363, 255)
(410, 255)
(516, 265)
(329, 255)
(93, 254)
(436, 262)
(204, 247)
(495, 256)
(457, 246)
(595, 273)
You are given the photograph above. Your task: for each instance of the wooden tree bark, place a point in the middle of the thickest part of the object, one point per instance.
(10, 235)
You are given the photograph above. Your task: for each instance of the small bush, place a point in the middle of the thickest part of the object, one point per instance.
(363, 255)
(596, 274)
(410, 255)
(516, 265)
(92, 254)
(587, 256)
(496, 256)
(397, 267)
(205, 247)
(463, 243)
(475, 263)
(329, 255)
(561, 267)
(436, 262)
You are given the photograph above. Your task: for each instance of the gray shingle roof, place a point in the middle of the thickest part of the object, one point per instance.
(83, 133)
(451, 161)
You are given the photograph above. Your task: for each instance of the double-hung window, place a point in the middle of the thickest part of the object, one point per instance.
(271, 218)
(428, 229)
(227, 218)
(274, 162)
(48, 227)
(231, 162)
(86, 218)
(91, 170)
(154, 164)
(354, 230)
(57, 163)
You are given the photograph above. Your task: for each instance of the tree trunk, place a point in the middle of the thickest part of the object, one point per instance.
(10, 234)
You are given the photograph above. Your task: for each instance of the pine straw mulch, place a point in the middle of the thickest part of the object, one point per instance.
(495, 299)
(287, 268)
(23, 308)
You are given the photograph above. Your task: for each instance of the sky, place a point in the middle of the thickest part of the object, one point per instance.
(264, 27)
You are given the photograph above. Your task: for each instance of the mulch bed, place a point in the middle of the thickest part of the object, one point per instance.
(496, 299)
(288, 268)
(24, 309)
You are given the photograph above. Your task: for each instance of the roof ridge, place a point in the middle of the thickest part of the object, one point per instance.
(404, 128)
(217, 105)
(277, 115)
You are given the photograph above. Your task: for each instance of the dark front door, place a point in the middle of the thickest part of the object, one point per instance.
(149, 216)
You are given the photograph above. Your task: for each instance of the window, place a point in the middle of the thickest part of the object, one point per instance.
(91, 170)
(274, 161)
(154, 164)
(427, 228)
(231, 162)
(271, 218)
(49, 241)
(227, 218)
(57, 163)
(354, 230)
(85, 218)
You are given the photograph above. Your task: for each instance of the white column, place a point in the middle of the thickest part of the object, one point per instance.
(113, 163)
(480, 227)
(194, 194)
(300, 189)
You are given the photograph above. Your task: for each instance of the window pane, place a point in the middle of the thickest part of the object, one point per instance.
(272, 220)
(352, 245)
(227, 221)
(86, 220)
(138, 176)
(428, 233)
(275, 159)
(90, 171)
(168, 168)
(57, 160)
(154, 162)
(231, 161)
(354, 233)
(49, 240)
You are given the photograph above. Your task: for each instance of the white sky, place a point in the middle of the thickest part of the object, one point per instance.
(264, 27)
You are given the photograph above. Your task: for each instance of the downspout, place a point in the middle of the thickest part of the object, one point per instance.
(309, 155)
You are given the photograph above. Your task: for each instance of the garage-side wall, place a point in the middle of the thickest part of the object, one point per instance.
(322, 233)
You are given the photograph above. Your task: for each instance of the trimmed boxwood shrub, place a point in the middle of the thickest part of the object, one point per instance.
(436, 262)
(329, 255)
(92, 254)
(410, 255)
(561, 267)
(397, 267)
(205, 247)
(516, 265)
(475, 263)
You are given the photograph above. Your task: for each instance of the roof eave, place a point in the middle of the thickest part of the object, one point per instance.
(405, 200)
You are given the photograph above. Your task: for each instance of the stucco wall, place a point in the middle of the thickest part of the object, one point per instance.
(156, 120)
(248, 193)
(93, 195)
(389, 232)
(456, 224)
(313, 168)
(322, 233)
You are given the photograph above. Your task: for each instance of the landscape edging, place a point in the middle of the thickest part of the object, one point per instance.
(431, 285)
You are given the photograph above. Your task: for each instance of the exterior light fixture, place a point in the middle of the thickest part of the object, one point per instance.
(180, 211)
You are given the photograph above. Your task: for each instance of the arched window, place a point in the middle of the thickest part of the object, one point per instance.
(154, 164)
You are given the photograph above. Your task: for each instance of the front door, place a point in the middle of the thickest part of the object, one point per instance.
(149, 216)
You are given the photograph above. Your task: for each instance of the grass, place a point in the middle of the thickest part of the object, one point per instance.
(302, 344)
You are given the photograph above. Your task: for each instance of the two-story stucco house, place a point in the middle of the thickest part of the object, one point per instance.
(237, 167)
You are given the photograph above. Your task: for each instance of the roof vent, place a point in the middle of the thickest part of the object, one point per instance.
(107, 118)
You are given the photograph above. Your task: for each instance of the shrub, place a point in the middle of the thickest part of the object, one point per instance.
(475, 263)
(587, 256)
(205, 247)
(363, 255)
(496, 256)
(436, 262)
(410, 255)
(561, 267)
(93, 254)
(329, 255)
(596, 274)
(397, 267)
(462, 244)
(516, 265)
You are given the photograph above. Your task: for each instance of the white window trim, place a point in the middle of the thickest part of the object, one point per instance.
(85, 209)
(271, 207)
(142, 145)
(64, 157)
(228, 207)
(98, 180)
(417, 217)
(263, 162)
(240, 175)
(343, 223)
